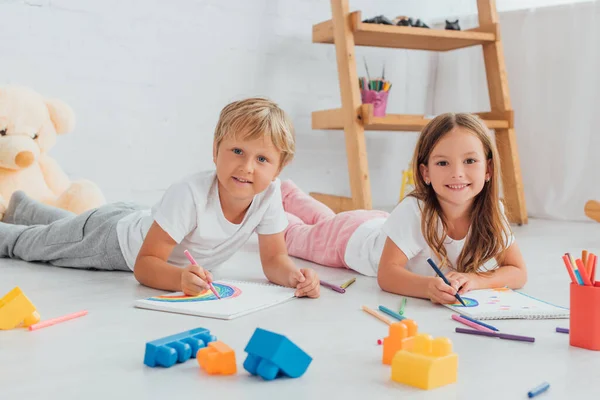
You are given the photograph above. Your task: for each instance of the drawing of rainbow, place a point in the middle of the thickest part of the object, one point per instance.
(224, 291)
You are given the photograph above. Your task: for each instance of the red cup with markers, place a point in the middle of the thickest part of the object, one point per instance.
(584, 329)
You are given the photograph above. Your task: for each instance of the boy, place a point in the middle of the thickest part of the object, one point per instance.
(212, 214)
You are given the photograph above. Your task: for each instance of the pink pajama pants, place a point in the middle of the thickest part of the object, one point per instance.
(315, 233)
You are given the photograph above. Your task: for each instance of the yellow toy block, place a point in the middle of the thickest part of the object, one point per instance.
(407, 180)
(16, 309)
(428, 363)
(400, 337)
(217, 358)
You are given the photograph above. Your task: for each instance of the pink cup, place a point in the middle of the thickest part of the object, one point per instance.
(378, 99)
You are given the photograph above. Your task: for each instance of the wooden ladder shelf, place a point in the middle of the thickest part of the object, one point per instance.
(346, 30)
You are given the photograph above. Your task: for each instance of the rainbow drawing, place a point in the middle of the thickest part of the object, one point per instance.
(468, 301)
(224, 291)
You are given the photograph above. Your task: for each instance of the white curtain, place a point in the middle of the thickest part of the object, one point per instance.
(553, 66)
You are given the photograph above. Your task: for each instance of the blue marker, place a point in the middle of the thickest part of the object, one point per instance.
(437, 271)
(539, 389)
(480, 323)
(391, 313)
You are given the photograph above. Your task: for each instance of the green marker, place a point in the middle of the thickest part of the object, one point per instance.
(401, 312)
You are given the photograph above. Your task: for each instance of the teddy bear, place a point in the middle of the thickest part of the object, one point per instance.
(29, 124)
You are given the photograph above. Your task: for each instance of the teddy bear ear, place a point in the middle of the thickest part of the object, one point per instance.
(62, 115)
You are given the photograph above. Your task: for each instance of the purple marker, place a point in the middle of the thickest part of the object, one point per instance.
(562, 330)
(332, 287)
(505, 336)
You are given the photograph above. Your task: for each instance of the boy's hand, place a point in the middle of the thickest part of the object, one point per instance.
(464, 282)
(439, 292)
(194, 280)
(306, 282)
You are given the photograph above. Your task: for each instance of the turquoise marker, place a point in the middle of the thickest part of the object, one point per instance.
(539, 389)
(391, 313)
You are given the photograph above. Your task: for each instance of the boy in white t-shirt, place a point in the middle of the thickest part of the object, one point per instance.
(211, 214)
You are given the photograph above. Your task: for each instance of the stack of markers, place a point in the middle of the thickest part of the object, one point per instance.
(582, 271)
(378, 84)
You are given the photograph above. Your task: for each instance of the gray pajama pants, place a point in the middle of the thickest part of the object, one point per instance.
(33, 231)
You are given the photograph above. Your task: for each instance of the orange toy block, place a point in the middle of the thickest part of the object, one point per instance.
(401, 334)
(16, 309)
(217, 358)
(428, 363)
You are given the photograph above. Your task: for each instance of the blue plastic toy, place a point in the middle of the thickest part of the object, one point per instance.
(271, 355)
(176, 348)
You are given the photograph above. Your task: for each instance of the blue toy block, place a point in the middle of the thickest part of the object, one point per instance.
(176, 348)
(271, 355)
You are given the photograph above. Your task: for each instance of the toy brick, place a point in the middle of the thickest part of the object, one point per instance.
(176, 348)
(16, 309)
(271, 355)
(427, 364)
(217, 358)
(400, 337)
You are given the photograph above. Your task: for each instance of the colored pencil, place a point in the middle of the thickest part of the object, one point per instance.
(332, 287)
(570, 269)
(193, 261)
(589, 263)
(480, 323)
(538, 389)
(439, 272)
(562, 330)
(584, 275)
(471, 324)
(402, 306)
(391, 313)
(376, 315)
(348, 283)
(506, 336)
(593, 274)
(57, 320)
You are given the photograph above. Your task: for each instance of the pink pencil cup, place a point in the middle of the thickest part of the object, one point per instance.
(584, 321)
(377, 98)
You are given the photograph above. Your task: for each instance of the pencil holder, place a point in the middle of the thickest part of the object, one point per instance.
(584, 322)
(377, 98)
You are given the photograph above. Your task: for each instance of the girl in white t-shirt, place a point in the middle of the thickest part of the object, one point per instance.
(454, 215)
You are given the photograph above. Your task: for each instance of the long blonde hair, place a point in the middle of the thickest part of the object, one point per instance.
(489, 230)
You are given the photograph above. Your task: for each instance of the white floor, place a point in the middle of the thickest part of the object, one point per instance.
(100, 355)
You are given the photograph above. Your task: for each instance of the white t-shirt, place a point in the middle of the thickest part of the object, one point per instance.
(190, 212)
(403, 227)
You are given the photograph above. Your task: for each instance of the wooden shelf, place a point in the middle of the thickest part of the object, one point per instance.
(332, 119)
(406, 37)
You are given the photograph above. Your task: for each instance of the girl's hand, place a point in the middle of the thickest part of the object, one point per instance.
(439, 292)
(195, 280)
(306, 282)
(464, 282)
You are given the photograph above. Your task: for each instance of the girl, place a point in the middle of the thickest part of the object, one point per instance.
(454, 216)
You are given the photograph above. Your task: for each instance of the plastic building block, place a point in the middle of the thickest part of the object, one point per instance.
(176, 348)
(217, 358)
(271, 355)
(16, 309)
(401, 334)
(428, 364)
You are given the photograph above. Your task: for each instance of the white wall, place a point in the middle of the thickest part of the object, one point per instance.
(147, 79)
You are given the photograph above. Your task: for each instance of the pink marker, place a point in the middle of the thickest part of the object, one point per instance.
(471, 324)
(53, 321)
(211, 287)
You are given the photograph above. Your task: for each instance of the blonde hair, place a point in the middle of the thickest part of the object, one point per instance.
(489, 230)
(254, 118)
